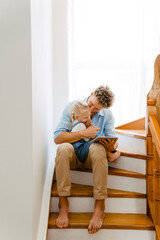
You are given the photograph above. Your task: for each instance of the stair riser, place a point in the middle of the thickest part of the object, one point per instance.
(113, 205)
(132, 144)
(115, 182)
(130, 164)
(79, 234)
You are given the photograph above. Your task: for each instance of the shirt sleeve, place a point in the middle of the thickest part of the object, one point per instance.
(64, 123)
(109, 130)
(80, 127)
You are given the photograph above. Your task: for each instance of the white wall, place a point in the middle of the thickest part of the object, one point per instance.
(42, 64)
(61, 57)
(26, 114)
(15, 121)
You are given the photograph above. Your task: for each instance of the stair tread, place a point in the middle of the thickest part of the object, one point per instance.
(79, 190)
(117, 172)
(127, 153)
(111, 221)
(141, 134)
(125, 173)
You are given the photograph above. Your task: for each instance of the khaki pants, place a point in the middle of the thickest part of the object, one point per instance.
(97, 161)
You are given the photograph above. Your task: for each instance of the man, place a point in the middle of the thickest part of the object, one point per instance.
(102, 124)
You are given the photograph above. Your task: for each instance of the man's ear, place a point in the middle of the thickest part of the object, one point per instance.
(76, 117)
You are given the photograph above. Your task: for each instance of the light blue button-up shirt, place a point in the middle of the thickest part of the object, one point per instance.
(103, 119)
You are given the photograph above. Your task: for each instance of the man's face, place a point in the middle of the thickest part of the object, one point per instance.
(94, 105)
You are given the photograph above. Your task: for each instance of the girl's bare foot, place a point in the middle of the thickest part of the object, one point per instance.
(113, 156)
(62, 221)
(97, 219)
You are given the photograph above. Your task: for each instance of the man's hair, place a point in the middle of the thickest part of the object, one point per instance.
(104, 95)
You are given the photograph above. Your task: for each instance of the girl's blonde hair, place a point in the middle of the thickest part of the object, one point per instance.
(77, 109)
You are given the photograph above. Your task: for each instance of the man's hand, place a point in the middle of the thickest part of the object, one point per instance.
(90, 132)
(110, 145)
(72, 137)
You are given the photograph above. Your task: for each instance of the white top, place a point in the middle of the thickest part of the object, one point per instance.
(79, 127)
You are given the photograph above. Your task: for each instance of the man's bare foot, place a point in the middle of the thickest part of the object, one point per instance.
(62, 221)
(97, 219)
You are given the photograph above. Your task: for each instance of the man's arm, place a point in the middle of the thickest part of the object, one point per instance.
(109, 130)
(71, 137)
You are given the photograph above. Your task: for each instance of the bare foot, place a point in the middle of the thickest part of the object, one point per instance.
(97, 219)
(62, 221)
(113, 156)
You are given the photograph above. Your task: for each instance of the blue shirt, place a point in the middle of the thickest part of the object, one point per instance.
(103, 119)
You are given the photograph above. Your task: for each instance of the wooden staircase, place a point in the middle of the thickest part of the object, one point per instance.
(126, 206)
(133, 203)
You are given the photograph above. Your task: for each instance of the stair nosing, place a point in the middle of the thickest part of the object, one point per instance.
(108, 224)
(130, 134)
(129, 153)
(125, 173)
(114, 171)
(89, 193)
(133, 155)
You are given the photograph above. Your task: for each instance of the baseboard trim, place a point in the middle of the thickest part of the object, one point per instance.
(44, 215)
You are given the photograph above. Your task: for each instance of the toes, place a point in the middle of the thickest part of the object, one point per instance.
(58, 224)
(90, 229)
(94, 226)
(96, 229)
(65, 225)
(93, 230)
(61, 223)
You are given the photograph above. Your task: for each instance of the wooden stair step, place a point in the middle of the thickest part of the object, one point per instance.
(117, 172)
(125, 173)
(111, 221)
(127, 153)
(135, 125)
(132, 133)
(79, 190)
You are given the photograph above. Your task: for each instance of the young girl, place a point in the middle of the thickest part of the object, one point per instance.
(80, 120)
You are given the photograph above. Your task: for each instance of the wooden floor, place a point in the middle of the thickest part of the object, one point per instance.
(111, 221)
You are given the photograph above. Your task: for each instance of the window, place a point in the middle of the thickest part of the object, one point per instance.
(108, 46)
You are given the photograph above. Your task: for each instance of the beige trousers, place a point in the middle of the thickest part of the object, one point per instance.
(97, 161)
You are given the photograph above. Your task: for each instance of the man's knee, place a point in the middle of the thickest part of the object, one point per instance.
(96, 148)
(65, 147)
(65, 151)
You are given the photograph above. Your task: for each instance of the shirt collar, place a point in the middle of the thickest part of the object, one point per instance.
(101, 113)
